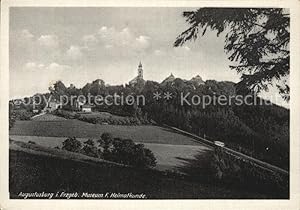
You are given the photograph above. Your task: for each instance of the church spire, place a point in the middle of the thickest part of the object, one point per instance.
(140, 70)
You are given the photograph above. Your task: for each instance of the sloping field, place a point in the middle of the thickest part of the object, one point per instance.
(79, 129)
(47, 117)
(168, 156)
(69, 175)
(104, 115)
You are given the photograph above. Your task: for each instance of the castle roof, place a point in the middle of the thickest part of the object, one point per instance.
(170, 78)
(136, 80)
(197, 79)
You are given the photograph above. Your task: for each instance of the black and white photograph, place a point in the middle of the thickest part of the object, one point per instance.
(149, 103)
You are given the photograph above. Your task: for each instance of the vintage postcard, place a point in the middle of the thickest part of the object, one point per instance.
(160, 104)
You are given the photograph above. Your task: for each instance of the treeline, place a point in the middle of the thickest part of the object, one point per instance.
(261, 131)
(237, 172)
(123, 151)
(112, 120)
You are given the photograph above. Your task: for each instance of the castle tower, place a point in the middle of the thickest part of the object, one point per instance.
(138, 80)
(140, 71)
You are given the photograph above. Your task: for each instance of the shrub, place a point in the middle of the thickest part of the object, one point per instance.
(89, 142)
(103, 120)
(106, 140)
(12, 119)
(21, 115)
(106, 143)
(99, 120)
(89, 150)
(77, 116)
(65, 114)
(143, 157)
(122, 151)
(72, 144)
(125, 151)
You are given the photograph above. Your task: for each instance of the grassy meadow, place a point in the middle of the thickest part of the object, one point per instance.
(80, 129)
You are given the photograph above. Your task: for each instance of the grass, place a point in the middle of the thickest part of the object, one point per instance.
(53, 170)
(79, 129)
(48, 117)
(168, 156)
(54, 174)
(53, 152)
(103, 115)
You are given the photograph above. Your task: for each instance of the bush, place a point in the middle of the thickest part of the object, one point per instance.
(65, 114)
(89, 142)
(122, 151)
(90, 149)
(77, 116)
(12, 119)
(101, 120)
(125, 151)
(20, 115)
(106, 143)
(143, 157)
(72, 144)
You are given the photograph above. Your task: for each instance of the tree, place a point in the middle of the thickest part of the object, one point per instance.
(72, 144)
(90, 149)
(125, 151)
(106, 142)
(89, 142)
(12, 116)
(143, 157)
(58, 89)
(256, 39)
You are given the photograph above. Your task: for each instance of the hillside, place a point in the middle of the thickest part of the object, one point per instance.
(75, 175)
(168, 147)
(258, 130)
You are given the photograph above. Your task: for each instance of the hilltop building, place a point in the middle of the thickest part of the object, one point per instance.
(197, 80)
(52, 105)
(139, 78)
(169, 79)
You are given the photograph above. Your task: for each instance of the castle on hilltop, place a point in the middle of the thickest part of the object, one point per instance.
(139, 78)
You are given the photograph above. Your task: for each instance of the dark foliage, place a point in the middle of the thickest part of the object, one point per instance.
(12, 117)
(74, 176)
(21, 114)
(261, 130)
(238, 172)
(125, 151)
(256, 38)
(72, 144)
(90, 149)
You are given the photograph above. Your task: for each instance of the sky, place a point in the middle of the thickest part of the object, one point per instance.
(79, 45)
